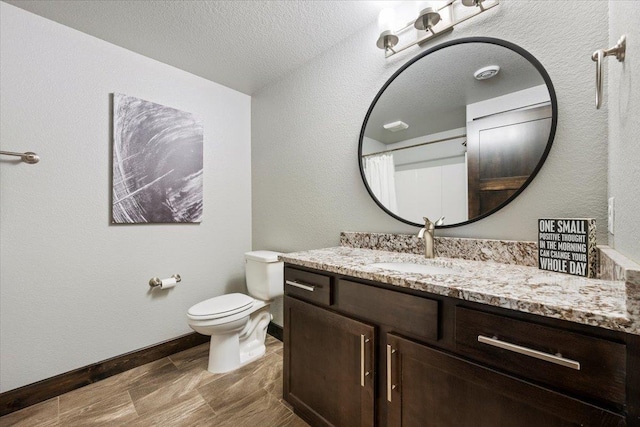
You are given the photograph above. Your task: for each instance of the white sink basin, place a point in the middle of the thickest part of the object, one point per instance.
(409, 267)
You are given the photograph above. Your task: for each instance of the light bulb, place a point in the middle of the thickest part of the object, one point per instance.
(420, 5)
(386, 19)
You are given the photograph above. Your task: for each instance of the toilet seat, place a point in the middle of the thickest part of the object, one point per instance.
(221, 306)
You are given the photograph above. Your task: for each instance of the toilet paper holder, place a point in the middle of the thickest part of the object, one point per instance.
(156, 281)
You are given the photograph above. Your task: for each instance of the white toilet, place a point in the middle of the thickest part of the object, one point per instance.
(238, 323)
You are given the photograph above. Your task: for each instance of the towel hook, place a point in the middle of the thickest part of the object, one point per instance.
(598, 56)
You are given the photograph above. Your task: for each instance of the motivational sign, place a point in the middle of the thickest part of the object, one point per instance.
(567, 245)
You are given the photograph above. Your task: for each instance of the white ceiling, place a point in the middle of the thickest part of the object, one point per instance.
(432, 94)
(244, 45)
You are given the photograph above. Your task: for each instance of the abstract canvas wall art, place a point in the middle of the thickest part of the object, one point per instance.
(157, 163)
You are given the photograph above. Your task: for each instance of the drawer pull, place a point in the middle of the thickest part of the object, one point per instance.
(558, 360)
(309, 288)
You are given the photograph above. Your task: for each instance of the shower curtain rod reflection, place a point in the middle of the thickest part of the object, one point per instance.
(417, 145)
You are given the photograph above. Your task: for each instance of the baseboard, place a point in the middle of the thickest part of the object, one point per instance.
(19, 398)
(275, 331)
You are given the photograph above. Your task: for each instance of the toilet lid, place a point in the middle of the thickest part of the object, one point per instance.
(224, 305)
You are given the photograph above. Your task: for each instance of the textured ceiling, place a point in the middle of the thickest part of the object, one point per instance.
(244, 45)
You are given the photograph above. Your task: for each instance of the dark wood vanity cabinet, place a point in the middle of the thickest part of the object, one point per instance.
(328, 365)
(360, 353)
(567, 361)
(428, 387)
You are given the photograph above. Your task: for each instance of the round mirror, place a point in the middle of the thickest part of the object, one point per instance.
(457, 132)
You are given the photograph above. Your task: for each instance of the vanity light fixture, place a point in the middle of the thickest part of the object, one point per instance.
(387, 41)
(427, 19)
(485, 73)
(435, 21)
(473, 3)
(386, 23)
(396, 126)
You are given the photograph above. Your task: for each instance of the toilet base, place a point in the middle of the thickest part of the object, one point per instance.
(228, 352)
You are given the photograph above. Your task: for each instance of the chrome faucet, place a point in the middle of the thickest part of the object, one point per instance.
(427, 234)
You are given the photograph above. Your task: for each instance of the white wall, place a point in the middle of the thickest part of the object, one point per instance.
(433, 189)
(371, 145)
(306, 183)
(73, 288)
(431, 180)
(623, 104)
(511, 101)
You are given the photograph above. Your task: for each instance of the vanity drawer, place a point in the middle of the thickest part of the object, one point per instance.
(309, 286)
(575, 363)
(406, 314)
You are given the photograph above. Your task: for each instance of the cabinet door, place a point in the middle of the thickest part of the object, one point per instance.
(427, 387)
(328, 366)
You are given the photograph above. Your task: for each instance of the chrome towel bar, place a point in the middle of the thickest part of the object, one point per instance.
(28, 157)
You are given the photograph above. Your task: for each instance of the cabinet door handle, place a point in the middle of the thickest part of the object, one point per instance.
(363, 372)
(547, 357)
(390, 386)
(309, 288)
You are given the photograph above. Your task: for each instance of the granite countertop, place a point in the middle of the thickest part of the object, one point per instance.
(601, 303)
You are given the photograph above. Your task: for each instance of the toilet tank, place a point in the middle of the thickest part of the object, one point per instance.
(265, 274)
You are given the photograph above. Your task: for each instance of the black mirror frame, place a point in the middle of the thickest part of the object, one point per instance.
(489, 40)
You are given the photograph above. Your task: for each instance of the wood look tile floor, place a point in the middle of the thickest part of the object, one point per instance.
(174, 391)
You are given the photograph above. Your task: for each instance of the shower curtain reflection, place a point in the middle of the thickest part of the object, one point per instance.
(380, 173)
